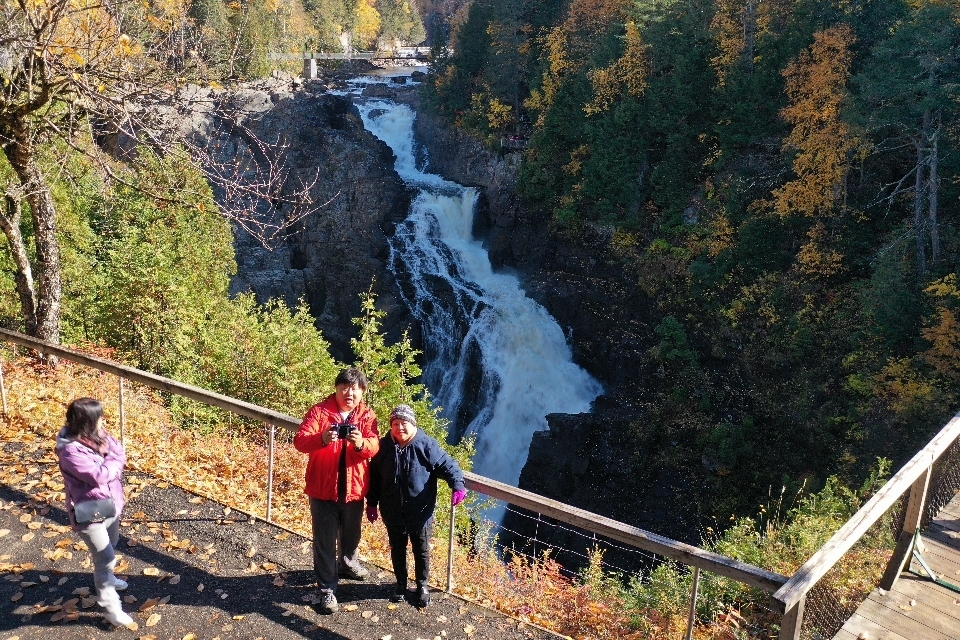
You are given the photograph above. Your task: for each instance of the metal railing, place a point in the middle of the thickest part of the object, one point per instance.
(788, 594)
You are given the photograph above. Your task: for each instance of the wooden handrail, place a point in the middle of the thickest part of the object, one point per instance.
(157, 382)
(767, 581)
(607, 527)
(827, 556)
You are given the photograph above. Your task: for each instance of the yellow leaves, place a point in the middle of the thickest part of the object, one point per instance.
(816, 86)
(153, 620)
(628, 74)
(368, 23)
(151, 571)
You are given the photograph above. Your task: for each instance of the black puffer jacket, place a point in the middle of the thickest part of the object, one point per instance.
(403, 480)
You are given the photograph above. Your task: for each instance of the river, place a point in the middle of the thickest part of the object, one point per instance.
(495, 360)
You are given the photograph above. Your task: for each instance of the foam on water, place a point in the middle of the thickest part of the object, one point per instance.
(472, 316)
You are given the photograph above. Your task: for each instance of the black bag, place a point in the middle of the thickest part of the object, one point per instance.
(90, 511)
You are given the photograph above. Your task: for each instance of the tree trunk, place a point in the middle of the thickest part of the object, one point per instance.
(20, 153)
(10, 223)
(918, 221)
(933, 186)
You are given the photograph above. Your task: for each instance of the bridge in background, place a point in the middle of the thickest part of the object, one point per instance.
(876, 575)
(398, 55)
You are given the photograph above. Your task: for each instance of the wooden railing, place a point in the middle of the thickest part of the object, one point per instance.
(914, 477)
(788, 595)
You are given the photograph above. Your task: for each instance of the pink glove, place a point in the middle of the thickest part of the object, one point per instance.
(458, 496)
(372, 513)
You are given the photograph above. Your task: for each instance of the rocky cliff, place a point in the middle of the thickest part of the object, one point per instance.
(339, 250)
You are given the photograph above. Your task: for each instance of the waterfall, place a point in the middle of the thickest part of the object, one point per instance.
(496, 361)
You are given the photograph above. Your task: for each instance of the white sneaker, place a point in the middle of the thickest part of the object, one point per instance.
(119, 584)
(117, 617)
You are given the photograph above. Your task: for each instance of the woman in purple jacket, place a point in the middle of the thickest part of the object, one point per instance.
(92, 462)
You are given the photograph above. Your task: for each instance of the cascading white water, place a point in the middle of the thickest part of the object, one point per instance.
(474, 318)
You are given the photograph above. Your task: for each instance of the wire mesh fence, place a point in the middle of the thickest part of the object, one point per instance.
(840, 592)
(944, 483)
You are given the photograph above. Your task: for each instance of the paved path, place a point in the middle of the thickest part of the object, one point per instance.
(194, 567)
(917, 608)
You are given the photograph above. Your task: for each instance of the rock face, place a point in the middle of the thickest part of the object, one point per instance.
(337, 252)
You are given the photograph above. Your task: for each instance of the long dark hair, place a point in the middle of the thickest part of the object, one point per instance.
(83, 416)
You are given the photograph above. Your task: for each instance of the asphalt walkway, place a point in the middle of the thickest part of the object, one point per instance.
(197, 570)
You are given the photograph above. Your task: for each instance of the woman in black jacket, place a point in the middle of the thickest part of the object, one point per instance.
(403, 482)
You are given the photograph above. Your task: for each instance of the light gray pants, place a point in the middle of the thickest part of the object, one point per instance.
(101, 538)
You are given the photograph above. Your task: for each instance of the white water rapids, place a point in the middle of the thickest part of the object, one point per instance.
(495, 360)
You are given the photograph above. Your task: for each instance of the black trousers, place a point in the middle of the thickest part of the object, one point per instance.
(399, 535)
(335, 524)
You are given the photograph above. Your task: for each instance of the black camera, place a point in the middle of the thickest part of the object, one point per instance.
(344, 429)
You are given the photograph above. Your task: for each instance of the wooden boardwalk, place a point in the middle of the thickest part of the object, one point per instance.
(917, 608)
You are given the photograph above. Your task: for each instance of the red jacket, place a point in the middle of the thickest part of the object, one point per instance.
(324, 464)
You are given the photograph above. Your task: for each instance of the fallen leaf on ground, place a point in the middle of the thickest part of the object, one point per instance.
(149, 604)
(351, 607)
(151, 571)
(4, 533)
(367, 614)
(27, 537)
(16, 596)
(175, 579)
(153, 620)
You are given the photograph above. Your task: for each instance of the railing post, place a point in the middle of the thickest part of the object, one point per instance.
(453, 522)
(793, 620)
(123, 419)
(3, 387)
(911, 523)
(271, 430)
(692, 616)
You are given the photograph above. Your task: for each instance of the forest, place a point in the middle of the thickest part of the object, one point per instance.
(781, 182)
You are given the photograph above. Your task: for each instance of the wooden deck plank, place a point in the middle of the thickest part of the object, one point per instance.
(906, 623)
(935, 614)
(858, 624)
(925, 593)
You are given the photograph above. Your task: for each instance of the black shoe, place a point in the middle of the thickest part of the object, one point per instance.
(399, 594)
(422, 599)
(354, 574)
(328, 602)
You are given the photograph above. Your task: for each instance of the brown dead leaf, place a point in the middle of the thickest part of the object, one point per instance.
(164, 600)
(129, 599)
(16, 596)
(175, 579)
(26, 517)
(153, 620)
(27, 537)
(33, 526)
(150, 603)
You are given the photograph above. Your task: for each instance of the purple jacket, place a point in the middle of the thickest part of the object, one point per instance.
(89, 476)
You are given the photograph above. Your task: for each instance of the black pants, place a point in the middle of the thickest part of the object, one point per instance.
(335, 524)
(398, 534)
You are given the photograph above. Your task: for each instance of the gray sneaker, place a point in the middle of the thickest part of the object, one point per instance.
(353, 574)
(328, 602)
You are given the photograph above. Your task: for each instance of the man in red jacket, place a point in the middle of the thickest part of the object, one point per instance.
(341, 436)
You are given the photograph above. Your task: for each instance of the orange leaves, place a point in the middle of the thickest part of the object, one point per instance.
(816, 86)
